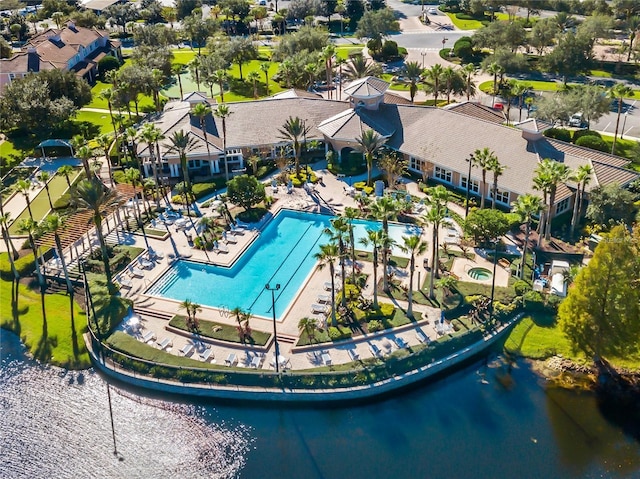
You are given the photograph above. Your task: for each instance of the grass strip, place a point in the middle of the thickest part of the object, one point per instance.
(220, 331)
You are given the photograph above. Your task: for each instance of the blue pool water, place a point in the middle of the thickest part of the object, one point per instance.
(282, 254)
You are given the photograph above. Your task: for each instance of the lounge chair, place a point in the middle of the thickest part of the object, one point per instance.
(165, 343)
(136, 272)
(156, 254)
(223, 248)
(124, 282)
(327, 286)
(231, 239)
(187, 349)
(148, 336)
(401, 343)
(324, 298)
(206, 354)
(421, 337)
(319, 308)
(353, 354)
(145, 263)
(375, 350)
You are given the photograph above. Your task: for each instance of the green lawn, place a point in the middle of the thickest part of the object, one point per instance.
(40, 204)
(538, 336)
(464, 24)
(220, 331)
(52, 341)
(7, 148)
(101, 120)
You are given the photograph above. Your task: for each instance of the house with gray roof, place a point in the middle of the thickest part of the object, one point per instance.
(436, 142)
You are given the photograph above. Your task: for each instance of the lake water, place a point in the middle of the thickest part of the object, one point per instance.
(55, 424)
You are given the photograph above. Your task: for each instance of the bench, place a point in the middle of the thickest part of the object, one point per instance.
(504, 262)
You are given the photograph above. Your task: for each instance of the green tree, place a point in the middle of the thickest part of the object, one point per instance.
(483, 159)
(611, 204)
(526, 206)
(29, 226)
(45, 176)
(497, 168)
(414, 246)
(223, 112)
(413, 71)
(12, 254)
(434, 81)
(543, 34)
(601, 314)
(553, 173)
(376, 24)
(66, 171)
(294, 129)
(182, 144)
(437, 202)
(53, 223)
(368, 144)
(327, 256)
(253, 77)
(485, 226)
(468, 71)
(24, 187)
(264, 67)
(375, 239)
(361, 67)
(201, 111)
(308, 326)
(618, 93)
(582, 176)
(245, 191)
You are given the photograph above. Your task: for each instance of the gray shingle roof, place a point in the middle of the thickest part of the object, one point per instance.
(366, 87)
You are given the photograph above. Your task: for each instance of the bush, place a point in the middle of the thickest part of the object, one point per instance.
(304, 174)
(553, 301)
(338, 333)
(463, 48)
(389, 50)
(63, 202)
(25, 266)
(533, 301)
(375, 325)
(582, 133)
(106, 64)
(593, 142)
(558, 134)
(521, 287)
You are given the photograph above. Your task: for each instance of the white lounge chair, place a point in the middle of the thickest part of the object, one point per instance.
(165, 343)
(206, 354)
(231, 239)
(187, 349)
(231, 359)
(156, 254)
(148, 336)
(421, 337)
(124, 282)
(136, 272)
(375, 350)
(353, 354)
(319, 308)
(324, 298)
(223, 248)
(145, 263)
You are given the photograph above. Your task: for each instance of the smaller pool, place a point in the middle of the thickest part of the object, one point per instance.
(479, 274)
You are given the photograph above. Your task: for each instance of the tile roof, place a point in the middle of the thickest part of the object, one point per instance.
(295, 93)
(534, 125)
(394, 99)
(366, 87)
(477, 110)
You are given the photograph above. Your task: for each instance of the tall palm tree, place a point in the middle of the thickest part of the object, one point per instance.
(12, 254)
(221, 77)
(264, 67)
(349, 215)
(368, 144)
(327, 55)
(327, 255)
(182, 144)
(177, 69)
(527, 206)
(309, 326)
(468, 72)
(360, 67)
(24, 187)
(108, 94)
(29, 226)
(293, 130)
(104, 143)
(618, 93)
(414, 246)
(385, 209)
(518, 90)
(375, 239)
(434, 75)
(66, 170)
(483, 159)
(340, 62)
(413, 71)
(582, 176)
(497, 169)
(448, 77)
(85, 153)
(438, 199)
(202, 111)
(338, 233)
(223, 113)
(92, 195)
(53, 223)
(633, 27)
(253, 77)
(152, 136)
(555, 173)
(494, 69)
(45, 176)
(195, 69)
(132, 176)
(542, 183)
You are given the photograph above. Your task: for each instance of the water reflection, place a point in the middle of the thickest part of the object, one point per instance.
(486, 421)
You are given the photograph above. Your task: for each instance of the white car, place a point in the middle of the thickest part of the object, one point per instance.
(432, 11)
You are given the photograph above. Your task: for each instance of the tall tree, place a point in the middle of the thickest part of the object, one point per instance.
(483, 159)
(264, 67)
(527, 206)
(223, 112)
(468, 71)
(618, 93)
(497, 169)
(339, 234)
(29, 226)
(328, 255)
(555, 174)
(601, 314)
(24, 187)
(253, 77)
(368, 144)
(66, 171)
(132, 176)
(385, 209)
(437, 202)
(582, 176)
(349, 215)
(182, 144)
(152, 136)
(294, 129)
(201, 111)
(12, 254)
(413, 71)
(495, 69)
(375, 239)
(53, 223)
(414, 246)
(434, 84)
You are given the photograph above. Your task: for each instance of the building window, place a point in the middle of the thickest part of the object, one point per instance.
(442, 174)
(474, 187)
(502, 196)
(562, 206)
(194, 163)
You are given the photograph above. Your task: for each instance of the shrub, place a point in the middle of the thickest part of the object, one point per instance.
(338, 333)
(463, 48)
(24, 266)
(63, 202)
(593, 142)
(553, 301)
(375, 325)
(304, 174)
(106, 64)
(558, 134)
(521, 287)
(581, 133)
(533, 301)
(389, 49)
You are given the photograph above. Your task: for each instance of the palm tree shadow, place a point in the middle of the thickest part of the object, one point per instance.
(45, 345)
(15, 313)
(74, 334)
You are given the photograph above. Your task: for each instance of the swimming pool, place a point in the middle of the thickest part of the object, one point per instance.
(282, 254)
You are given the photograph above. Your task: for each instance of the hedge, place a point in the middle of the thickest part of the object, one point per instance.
(593, 142)
(558, 134)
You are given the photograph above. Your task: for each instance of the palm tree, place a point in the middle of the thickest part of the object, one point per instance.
(359, 67)
(582, 176)
(53, 223)
(555, 173)
(368, 144)
(349, 215)
(293, 130)
(186, 305)
(152, 136)
(468, 71)
(413, 71)
(84, 153)
(45, 176)
(29, 226)
(309, 326)
(375, 238)
(24, 186)
(518, 90)
(253, 77)
(327, 255)
(338, 233)
(434, 75)
(66, 170)
(182, 143)
(448, 77)
(265, 69)
(132, 175)
(439, 197)
(340, 62)
(12, 254)
(633, 27)
(92, 195)
(483, 159)
(618, 93)
(201, 111)
(223, 113)
(194, 68)
(527, 206)
(414, 246)
(177, 69)
(327, 55)
(221, 77)
(497, 169)
(541, 183)
(207, 225)
(494, 69)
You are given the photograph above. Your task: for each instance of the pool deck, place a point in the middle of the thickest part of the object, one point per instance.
(329, 196)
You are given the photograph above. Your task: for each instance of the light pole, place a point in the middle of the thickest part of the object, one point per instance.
(624, 122)
(424, 54)
(273, 310)
(470, 161)
(444, 40)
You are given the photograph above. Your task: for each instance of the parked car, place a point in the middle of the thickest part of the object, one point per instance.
(577, 120)
(498, 106)
(432, 11)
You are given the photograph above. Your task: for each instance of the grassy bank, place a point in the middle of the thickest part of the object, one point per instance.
(56, 336)
(538, 336)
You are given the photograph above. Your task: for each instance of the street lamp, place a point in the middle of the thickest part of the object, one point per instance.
(424, 54)
(273, 310)
(624, 124)
(470, 161)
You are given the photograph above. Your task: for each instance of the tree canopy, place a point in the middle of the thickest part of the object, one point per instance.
(486, 225)
(375, 24)
(611, 204)
(245, 191)
(601, 314)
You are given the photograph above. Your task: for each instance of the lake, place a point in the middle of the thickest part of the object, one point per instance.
(479, 422)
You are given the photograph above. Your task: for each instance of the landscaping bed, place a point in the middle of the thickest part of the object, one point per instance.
(220, 332)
